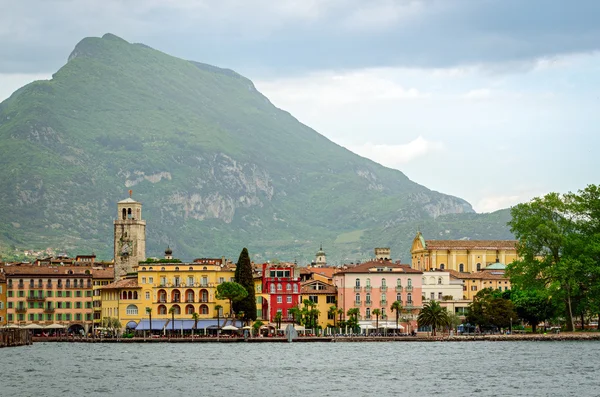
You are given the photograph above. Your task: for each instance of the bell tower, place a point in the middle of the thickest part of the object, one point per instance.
(129, 236)
(321, 258)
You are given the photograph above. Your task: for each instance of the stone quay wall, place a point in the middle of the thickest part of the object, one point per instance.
(15, 337)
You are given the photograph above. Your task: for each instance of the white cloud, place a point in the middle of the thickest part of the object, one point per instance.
(394, 156)
(478, 94)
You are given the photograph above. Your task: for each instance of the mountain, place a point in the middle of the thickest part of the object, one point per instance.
(215, 164)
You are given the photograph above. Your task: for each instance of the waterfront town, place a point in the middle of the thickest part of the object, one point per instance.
(82, 296)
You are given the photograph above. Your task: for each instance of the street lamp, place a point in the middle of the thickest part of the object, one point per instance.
(511, 325)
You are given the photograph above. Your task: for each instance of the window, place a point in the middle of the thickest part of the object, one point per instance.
(473, 288)
(383, 284)
(295, 288)
(279, 287)
(221, 280)
(147, 295)
(259, 300)
(478, 266)
(461, 268)
(368, 313)
(279, 299)
(442, 266)
(368, 283)
(289, 299)
(204, 281)
(151, 280)
(439, 281)
(399, 297)
(330, 300)
(77, 305)
(432, 295)
(368, 298)
(313, 298)
(143, 280)
(190, 281)
(398, 282)
(272, 288)
(357, 282)
(409, 298)
(439, 295)
(409, 282)
(288, 287)
(357, 298)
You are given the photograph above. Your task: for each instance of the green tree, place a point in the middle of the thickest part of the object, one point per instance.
(333, 311)
(296, 314)
(243, 276)
(231, 291)
(377, 313)
(149, 312)
(559, 248)
(533, 306)
(433, 315)
(397, 307)
(218, 309)
(172, 313)
(352, 321)
(491, 308)
(278, 318)
(256, 326)
(195, 317)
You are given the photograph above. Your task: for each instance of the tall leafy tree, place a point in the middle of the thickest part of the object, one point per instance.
(433, 315)
(533, 306)
(397, 307)
(377, 313)
(231, 291)
(491, 308)
(559, 247)
(243, 276)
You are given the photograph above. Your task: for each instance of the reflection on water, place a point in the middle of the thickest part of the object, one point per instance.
(316, 369)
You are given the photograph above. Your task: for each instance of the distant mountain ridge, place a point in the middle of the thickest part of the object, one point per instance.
(215, 164)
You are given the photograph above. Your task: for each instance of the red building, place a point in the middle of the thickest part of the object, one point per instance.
(283, 286)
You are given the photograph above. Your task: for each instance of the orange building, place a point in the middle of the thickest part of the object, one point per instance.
(2, 298)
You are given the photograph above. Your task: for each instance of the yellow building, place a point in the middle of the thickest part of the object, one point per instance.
(324, 295)
(162, 285)
(493, 277)
(2, 298)
(262, 299)
(101, 276)
(465, 256)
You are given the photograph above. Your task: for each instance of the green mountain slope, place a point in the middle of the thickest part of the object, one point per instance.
(215, 164)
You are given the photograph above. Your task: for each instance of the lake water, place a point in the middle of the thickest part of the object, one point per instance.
(303, 369)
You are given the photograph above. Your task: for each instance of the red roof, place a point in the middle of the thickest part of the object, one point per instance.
(386, 266)
(127, 283)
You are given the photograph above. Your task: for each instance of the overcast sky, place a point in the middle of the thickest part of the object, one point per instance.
(494, 101)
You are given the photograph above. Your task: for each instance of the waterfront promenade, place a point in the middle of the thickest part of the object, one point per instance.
(346, 339)
(15, 337)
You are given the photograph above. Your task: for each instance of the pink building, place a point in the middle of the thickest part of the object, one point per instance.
(376, 285)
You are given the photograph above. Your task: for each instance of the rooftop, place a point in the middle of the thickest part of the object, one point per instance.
(127, 283)
(471, 244)
(385, 266)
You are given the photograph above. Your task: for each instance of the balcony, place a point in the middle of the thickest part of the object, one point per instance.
(383, 303)
(204, 301)
(368, 288)
(49, 286)
(21, 286)
(49, 310)
(162, 300)
(357, 303)
(409, 288)
(9, 286)
(398, 288)
(368, 303)
(35, 298)
(20, 309)
(357, 288)
(383, 288)
(189, 301)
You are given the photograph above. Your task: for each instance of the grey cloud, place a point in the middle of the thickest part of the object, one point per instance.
(260, 38)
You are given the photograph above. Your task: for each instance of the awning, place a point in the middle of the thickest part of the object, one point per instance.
(178, 325)
(132, 325)
(157, 325)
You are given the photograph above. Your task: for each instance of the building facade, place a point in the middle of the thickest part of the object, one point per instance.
(129, 237)
(376, 285)
(324, 296)
(3, 320)
(465, 256)
(282, 284)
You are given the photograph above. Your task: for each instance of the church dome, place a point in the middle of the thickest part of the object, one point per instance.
(168, 251)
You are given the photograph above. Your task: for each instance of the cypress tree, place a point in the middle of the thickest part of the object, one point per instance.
(243, 276)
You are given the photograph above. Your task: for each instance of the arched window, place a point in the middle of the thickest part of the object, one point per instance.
(357, 282)
(81, 282)
(150, 268)
(424, 281)
(442, 267)
(68, 283)
(409, 298)
(189, 309)
(204, 309)
(272, 288)
(383, 284)
(368, 283)
(399, 297)
(368, 298)
(124, 214)
(204, 268)
(295, 288)
(478, 266)
(204, 295)
(130, 295)
(124, 295)
(162, 309)
(176, 309)
(461, 268)
(368, 313)
(189, 296)
(162, 269)
(191, 268)
(144, 268)
(132, 310)
(409, 282)
(176, 268)
(288, 287)
(398, 282)
(439, 281)
(357, 298)
(129, 213)
(278, 286)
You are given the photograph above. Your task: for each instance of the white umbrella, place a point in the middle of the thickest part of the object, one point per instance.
(230, 328)
(369, 326)
(55, 326)
(33, 326)
(12, 326)
(247, 327)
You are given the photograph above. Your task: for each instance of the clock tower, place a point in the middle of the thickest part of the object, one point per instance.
(129, 237)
